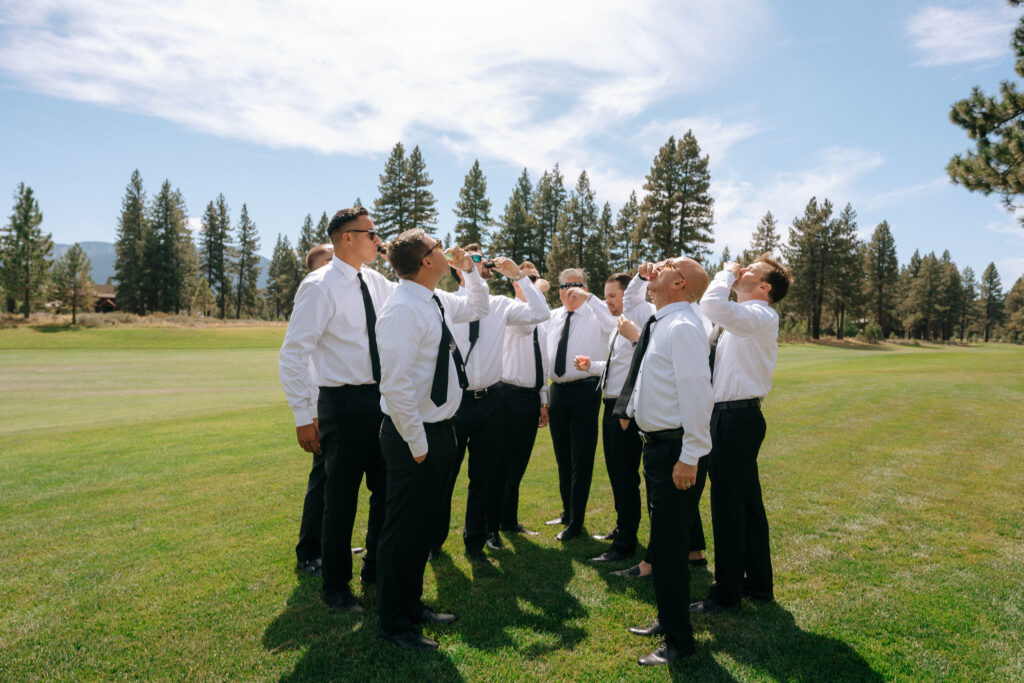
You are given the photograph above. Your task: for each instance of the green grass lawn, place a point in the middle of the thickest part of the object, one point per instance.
(151, 487)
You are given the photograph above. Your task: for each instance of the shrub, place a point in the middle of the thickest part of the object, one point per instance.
(872, 333)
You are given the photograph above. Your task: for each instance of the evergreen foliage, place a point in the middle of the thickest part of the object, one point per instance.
(1013, 309)
(72, 285)
(809, 253)
(596, 252)
(577, 222)
(517, 226)
(392, 208)
(844, 285)
(765, 239)
(24, 248)
(284, 275)
(548, 198)
(881, 269)
(247, 267)
(215, 251)
(422, 204)
(969, 301)
(622, 255)
(473, 209)
(990, 299)
(132, 235)
(309, 237)
(169, 253)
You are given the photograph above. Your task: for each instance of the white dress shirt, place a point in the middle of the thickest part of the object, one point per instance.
(748, 349)
(673, 387)
(483, 364)
(408, 336)
(519, 366)
(635, 307)
(326, 343)
(589, 328)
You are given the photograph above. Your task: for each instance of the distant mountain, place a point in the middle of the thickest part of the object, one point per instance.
(102, 255)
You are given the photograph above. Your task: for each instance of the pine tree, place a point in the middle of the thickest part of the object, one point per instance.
(132, 235)
(950, 296)
(215, 251)
(905, 305)
(247, 267)
(516, 227)
(596, 253)
(990, 297)
(393, 206)
(169, 252)
(203, 299)
(969, 301)
(765, 239)
(923, 299)
(71, 281)
(845, 282)
(422, 204)
(548, 198)
(24, 248)
(677, 213)
(577, 222)
(309, 237)
(284, 276)
(1013, 309)
(625, 233)
(881, 269)
(809, 255)
(473, 209)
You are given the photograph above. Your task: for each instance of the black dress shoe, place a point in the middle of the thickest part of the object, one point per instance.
(341, 601)
(610, 556)
(494, 542)
(520, 529)
(611, 536)
(698, 562)
(411, 640)
(758, 596)
(428, 615)
(568, 534)
(555, 521)
(665, 654)
(311, 567)
(632, 573)
(708, 606)
(368, 577)
(477, 557)
(654, 629)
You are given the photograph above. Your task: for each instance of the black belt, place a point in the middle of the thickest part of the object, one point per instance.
(520, 390)
(610, 401)
(737, 405)
(373, 386)
(585, 380)
(661, 435)
(479, 393)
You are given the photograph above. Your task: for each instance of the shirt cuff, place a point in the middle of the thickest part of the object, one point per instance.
(303, 417)
(419, 446)
(688, 459)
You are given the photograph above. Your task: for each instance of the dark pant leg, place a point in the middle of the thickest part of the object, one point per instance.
(736, 436)
(413, 502)
(697, 541)
(622, 448)
(348, 418)
(672, 512)
(522, 413)
(482, 496)
(311, 526)
(376, 482)
(587, 405)
(464, 420)
(758, 564)
(560, 425)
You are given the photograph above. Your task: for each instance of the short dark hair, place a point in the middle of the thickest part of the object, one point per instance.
(621, 278)
(527, 264)
(344, 216)
(778, 277)
(317, 253)
(473, 247)
(405, 252)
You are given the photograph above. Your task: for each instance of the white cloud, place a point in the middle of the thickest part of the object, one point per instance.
(529, 83)
(894, 197)
(956, 36)
(1010, 269)
(714, 135)
(195, 224)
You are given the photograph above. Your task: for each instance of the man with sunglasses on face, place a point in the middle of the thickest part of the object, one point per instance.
(479, 422)
(422, 382)
(332, 324)
(580, 327)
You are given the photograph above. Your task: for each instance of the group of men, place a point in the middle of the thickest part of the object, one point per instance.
(399, 381)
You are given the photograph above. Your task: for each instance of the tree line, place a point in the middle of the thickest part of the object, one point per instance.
(843, 286)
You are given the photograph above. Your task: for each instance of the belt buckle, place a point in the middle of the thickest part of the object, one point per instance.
(645, 439)
(479, 393)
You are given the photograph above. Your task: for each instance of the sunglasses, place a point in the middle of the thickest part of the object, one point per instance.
(371, 233)
(438, 244)
(570, 285)
(533, 278)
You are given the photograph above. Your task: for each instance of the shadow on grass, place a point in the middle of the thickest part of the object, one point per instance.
(346, 646)
(67, 327)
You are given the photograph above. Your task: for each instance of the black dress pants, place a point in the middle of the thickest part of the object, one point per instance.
(478, 429)
(738, 520)
(349, 418)
(573, 424)
(312, 524)
(520, 417)
(413, 502)
(672, 513)
(622, 448)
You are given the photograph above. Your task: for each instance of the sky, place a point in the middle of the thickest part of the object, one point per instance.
(293, 108)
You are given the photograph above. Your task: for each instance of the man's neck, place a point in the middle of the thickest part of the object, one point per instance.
(425, 280)
(351, 259)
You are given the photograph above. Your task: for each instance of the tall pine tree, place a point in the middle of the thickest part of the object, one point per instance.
(473, 209)
(422, 204)
(969, 302)
(622, 254)
(881, 269)
(132, 236)
(548, 198)
(169, 252)
(215, 251)
(284, 275)
(309, 237)
(392, 207)
(765, 239)
(990, 299)
(24, 248)
(72, 283)
(809, 253)
(577, 222)
(247, 267)
(844, 285)
(516, 226)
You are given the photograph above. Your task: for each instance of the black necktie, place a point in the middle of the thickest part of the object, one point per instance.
(474, 334)
(446, 349)
(634, 369)
(608, 362)
(716, 334)
(563, 346)
(371, 329)
(538, 364)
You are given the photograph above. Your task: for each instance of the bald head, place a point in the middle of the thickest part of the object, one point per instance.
(695, 275)
(677, 279)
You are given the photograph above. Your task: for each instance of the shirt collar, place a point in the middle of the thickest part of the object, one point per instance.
(345, 269)
(416, 289)
(675, 306)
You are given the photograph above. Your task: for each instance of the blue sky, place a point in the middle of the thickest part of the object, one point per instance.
(292, 109)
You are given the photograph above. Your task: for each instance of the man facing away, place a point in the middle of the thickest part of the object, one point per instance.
(422, 379)
(668, 393)
(479, 423)
(332, 327)
(744, 361)
(580, 327)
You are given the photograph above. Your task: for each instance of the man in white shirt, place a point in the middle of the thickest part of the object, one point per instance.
(622, 447)
(667, 391)
(744, 361)
(479, 421)
(524, 389)
(333, 323)
(422, 379)
(580, 327)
